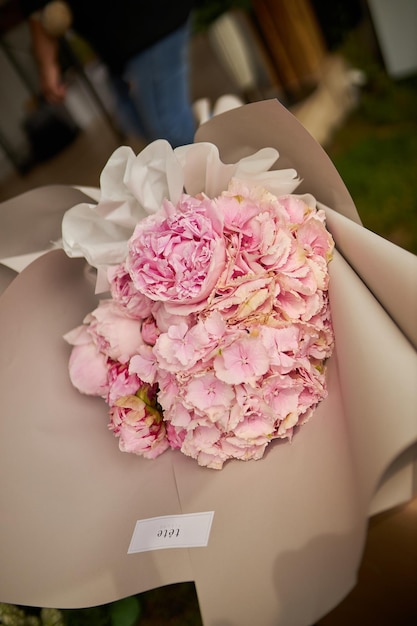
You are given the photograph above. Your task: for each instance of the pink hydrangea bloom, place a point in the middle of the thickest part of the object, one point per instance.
(243, 361)
(144, 364)
(210, 395)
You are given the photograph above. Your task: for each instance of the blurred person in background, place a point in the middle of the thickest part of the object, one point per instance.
(145, 48)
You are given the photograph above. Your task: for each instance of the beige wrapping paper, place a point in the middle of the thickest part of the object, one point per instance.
(288, 531)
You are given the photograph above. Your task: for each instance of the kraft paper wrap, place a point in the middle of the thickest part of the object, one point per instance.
(288, 530)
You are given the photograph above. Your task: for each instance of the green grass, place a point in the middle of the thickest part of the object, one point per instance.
(376, 154)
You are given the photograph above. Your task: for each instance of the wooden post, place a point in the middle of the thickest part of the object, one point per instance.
(294, 40)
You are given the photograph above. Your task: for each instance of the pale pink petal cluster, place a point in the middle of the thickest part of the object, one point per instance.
(104, 348)
(140, 430)
(215, 338)
(176, 256)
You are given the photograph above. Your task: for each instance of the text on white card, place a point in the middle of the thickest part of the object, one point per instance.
(191, 530)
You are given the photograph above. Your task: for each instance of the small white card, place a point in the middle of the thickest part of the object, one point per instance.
(191, 530)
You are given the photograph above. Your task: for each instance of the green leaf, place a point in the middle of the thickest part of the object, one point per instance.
(125, 612)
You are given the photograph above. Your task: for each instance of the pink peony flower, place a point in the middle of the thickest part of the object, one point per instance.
(140, 430)
(175, 436)
(88, 367)
(116, 334)
(123, 291)
(150, 331)
(88, 370)
(121, 382)
(177, 256)
(164, 319)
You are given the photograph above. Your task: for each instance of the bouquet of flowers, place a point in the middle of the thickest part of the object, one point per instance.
(216, 327)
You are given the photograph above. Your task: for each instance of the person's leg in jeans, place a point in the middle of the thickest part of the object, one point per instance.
(125, 111)
(158, 87)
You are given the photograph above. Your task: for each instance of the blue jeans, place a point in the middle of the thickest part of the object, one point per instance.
(152, 98)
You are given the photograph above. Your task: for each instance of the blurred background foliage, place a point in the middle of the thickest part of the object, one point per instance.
(375, 152)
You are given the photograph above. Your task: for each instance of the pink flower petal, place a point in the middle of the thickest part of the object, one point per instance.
(243, 361)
